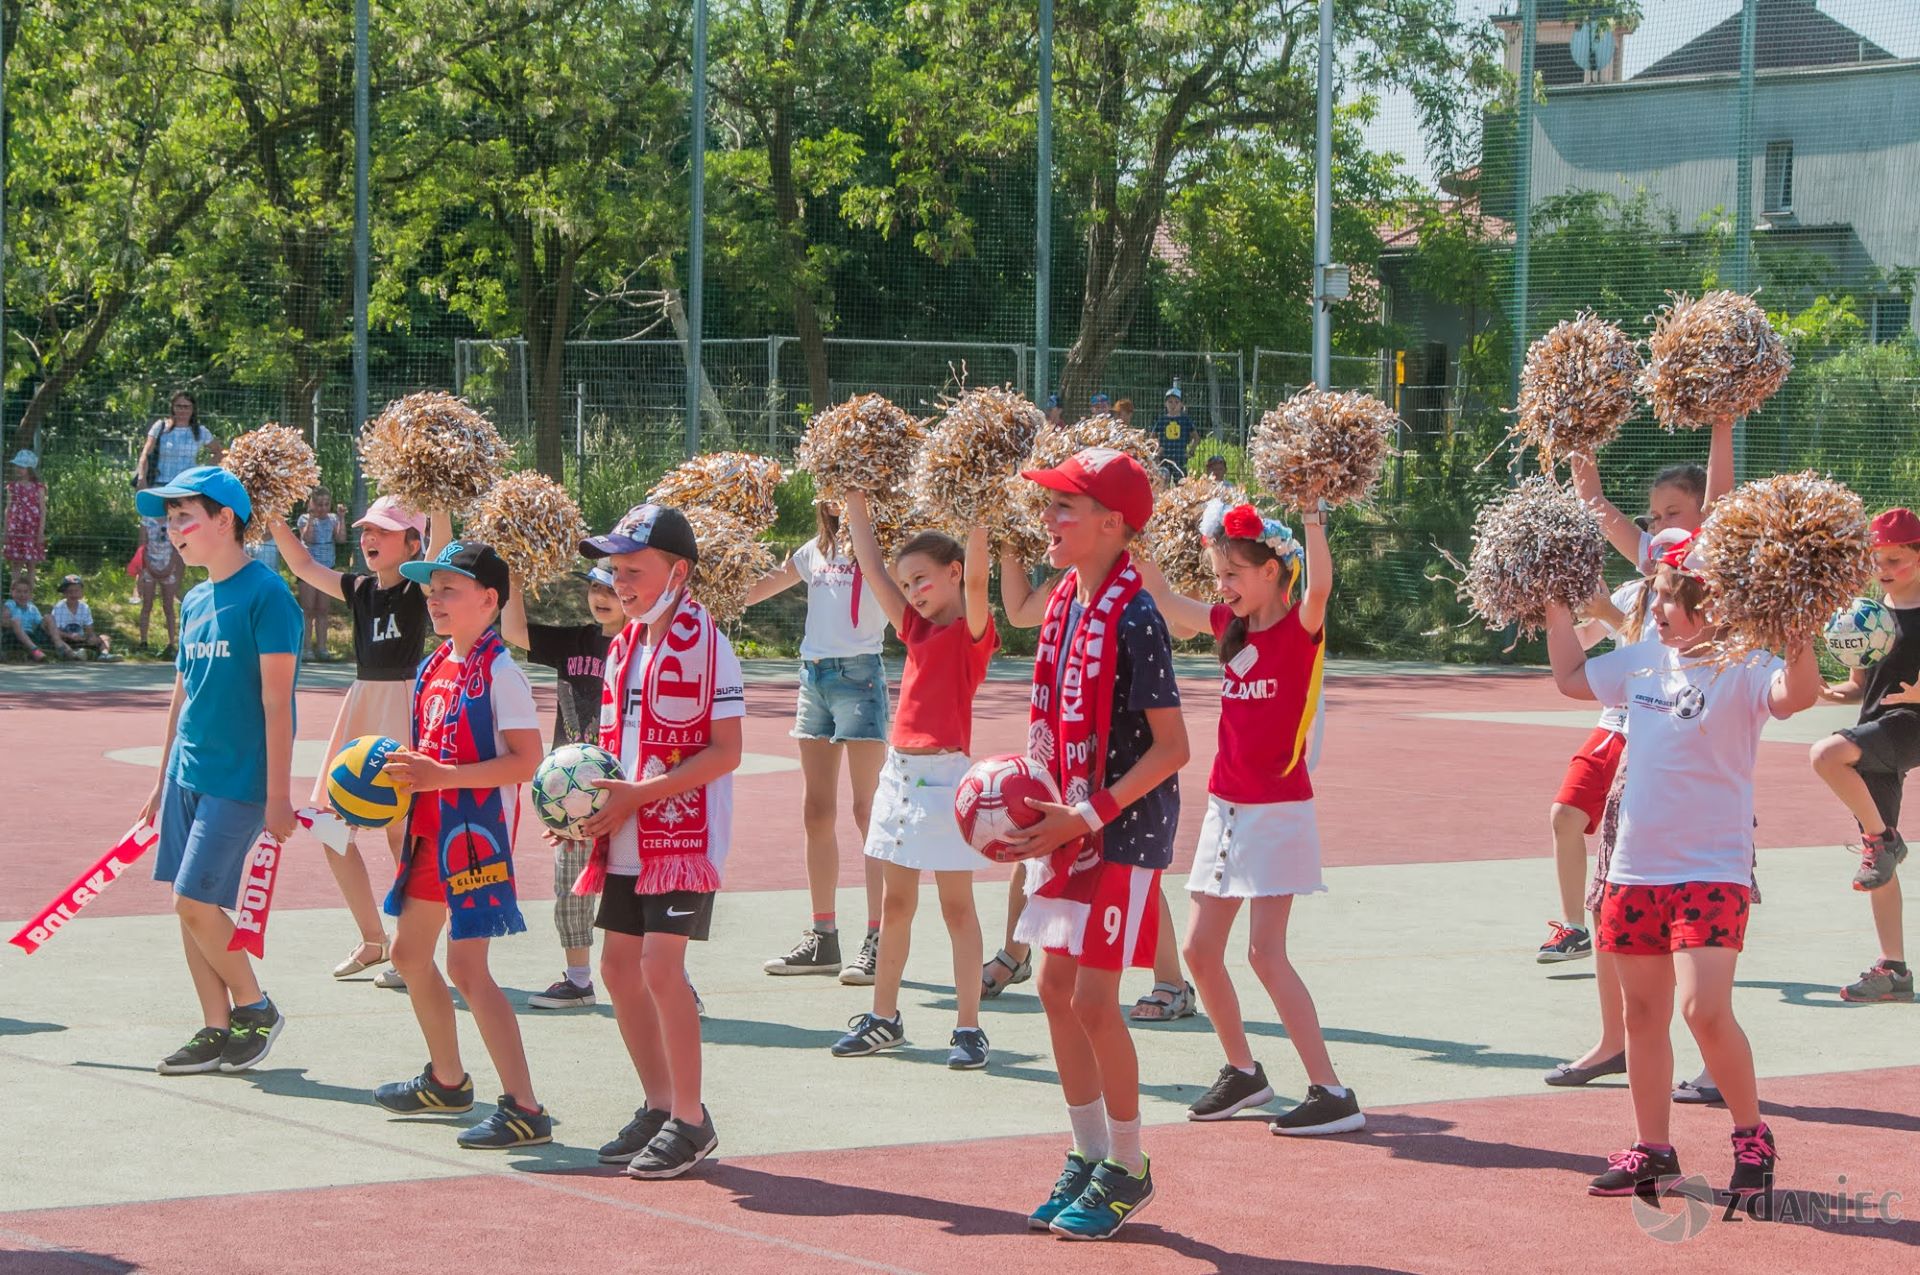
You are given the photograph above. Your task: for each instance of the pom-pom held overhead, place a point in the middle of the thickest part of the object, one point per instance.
(864, 444)
(1175, 539)
(1577, 388)
(979, 442)
(737, 483)
(1535, 545)
(532, 523)
(732, 560)
(1781, 555)
(1022, 532)
(278, 470)
(433, 451)
(1712, 358)
(1322, 445)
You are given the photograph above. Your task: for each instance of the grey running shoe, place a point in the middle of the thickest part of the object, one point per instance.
(1879, 856)
(1880, 984)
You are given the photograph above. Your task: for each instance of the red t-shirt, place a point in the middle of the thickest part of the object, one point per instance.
(945, 666)
(1267, 696)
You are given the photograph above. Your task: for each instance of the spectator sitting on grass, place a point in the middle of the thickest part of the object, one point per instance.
(71, 625)
(23, 622)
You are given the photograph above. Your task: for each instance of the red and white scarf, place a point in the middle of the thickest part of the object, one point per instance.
(1067, 727)
(676, 722)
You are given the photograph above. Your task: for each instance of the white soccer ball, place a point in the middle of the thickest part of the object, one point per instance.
(563, 793)
(990, 803)
(1861, 634)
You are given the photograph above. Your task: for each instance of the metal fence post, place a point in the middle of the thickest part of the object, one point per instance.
(1043, 211)
(362, 240)
(1743, 188)
(1323, 202)
(697, 229)
(1522, 190)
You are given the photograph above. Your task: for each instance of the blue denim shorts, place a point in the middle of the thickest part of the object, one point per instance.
(842, 700)
(204, 843)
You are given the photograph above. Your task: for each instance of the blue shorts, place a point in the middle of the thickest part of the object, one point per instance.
(204, 843)
(842, 700)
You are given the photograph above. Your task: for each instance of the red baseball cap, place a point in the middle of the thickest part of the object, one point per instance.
(1896, 527)
(1112, 478)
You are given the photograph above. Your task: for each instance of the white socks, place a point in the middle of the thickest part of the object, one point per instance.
(1126, 1145)
(580, 975)
(1091, 1141)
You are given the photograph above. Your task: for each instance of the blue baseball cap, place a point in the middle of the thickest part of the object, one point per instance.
(1099, 400)
(469, 558)
(1175, 393)
(1053, 400)
(600, 576)
(211, 481)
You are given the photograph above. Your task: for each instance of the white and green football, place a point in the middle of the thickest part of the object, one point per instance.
(563, 793)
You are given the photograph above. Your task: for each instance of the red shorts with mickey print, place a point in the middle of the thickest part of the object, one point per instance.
(1654, 920)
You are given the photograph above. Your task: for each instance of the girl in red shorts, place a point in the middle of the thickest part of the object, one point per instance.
(1674, 910)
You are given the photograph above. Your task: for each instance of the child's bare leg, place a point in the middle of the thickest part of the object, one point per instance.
(1209, 925)
(663, 963)
(1096, 1007)
(1888, 920)
(1613, 1025)
(211, 929)
(1570, 860)
(819, 803)
(865, 760)
(493, 1015)
(963, 927)
(1267, 953)
(1016, 904)
(350, 874)
(1646, 982)
(624, 978)
(208, 988)
(1704, 976)
(1073, 1056)
(1834, 759)
(1166, 948)
(897, 906)
(414, 940)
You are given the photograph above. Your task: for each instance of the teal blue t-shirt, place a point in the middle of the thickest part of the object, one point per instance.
(219, 749)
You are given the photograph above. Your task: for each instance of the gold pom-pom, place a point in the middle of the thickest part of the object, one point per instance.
(864, 444)
(1173, 538)
(732, 560)
(1712, 358)
(532, 523)
(1535, 545)
(433, 451)
(1781, 556)
(278, 470)
(982, 437)
(1321, 445)
(1021, 532)
(737, 483)
(1577, 388)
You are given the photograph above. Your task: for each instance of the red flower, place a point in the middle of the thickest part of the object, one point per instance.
(1243, 522)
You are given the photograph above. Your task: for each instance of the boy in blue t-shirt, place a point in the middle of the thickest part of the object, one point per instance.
(228, 758)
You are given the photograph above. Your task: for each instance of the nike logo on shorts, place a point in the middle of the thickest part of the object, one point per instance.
(671, 912)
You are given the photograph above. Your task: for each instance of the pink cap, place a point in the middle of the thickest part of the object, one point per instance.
(390, 515)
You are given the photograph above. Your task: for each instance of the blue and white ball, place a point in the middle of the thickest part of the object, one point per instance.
(1861, 634)
(563, 793)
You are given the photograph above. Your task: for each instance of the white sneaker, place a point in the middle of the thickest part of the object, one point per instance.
(390, 979)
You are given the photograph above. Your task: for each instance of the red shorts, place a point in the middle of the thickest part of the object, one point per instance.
(1590, 775)
(1123, 925)
(423, 875)
(1655, 920)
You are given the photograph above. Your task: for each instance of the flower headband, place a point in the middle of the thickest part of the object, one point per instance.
(1244, 522)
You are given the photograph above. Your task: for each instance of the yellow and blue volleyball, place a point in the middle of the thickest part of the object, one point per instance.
(359, 787)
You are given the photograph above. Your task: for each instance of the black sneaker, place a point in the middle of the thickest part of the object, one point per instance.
(676, 1148)
(1234, 1091)
(1753, 1157)
(1879, 856)
(1322, 1113)
(424, 1095)
(1071, 1184)
(869, 1034)
(860, 972)
(815, 953)
(1638, 1169)
(250, 1034)
(565, 994)
(509, 1126)
(969, 1049)
(202, 1053)
(1564, 943)
(633, 1139)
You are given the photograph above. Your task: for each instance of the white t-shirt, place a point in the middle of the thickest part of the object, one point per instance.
(513, 708)
(1626, 600)
(1687, 813)
(67, 620)
(729, 700)
(832, 632)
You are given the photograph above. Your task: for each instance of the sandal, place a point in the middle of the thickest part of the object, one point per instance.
(1178, 1002)
(354, 965)
(1017, 972)
(1692, 1094)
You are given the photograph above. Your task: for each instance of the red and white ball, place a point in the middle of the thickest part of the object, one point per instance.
(992, 803)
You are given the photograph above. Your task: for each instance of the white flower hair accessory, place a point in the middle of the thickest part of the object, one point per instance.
(1243, 522)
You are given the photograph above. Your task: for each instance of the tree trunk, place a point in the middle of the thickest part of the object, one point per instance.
(713, 415)
(793, 239)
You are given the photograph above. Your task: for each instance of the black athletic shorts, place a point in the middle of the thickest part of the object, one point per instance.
(684, 912)
(1889, 748)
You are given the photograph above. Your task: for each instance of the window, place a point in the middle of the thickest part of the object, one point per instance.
(1779, 178)
(1892, 318)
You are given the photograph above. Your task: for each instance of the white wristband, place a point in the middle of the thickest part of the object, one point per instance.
(1085, 811)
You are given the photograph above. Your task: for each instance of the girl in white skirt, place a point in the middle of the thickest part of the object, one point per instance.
(1259, 841)
(936, 599)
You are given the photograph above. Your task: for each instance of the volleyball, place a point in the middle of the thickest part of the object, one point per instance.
(359, 788)
(992, 800)
(563, 793)
(1861, 634)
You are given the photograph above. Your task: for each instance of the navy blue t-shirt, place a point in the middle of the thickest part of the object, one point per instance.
(1142, 836)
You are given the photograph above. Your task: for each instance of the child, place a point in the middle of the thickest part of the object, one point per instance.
(1866, 764)
(390, 626)
(1674, 910)
(578, 653)
(321, 532)
(229, 756)
(162, 571)
(26, 523)
(24, 624)
(1260, 840)
(72, 624)
(672, 712)
(1106, 718)
(937, 601)
(842, 707)
(475, 739)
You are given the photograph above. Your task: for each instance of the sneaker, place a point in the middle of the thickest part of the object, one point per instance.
(869, 1034)
(1879, 856)
(860, 973)
(633, 1139)
(390, 979)
(1322, 1113)
(510, 1125)
(969, 1052)
(1880, 984)
(1564, 943)
(699, 1006)
(565, 994)
(202, 1053)
(815, 953)
(1233, 1092)
(1637, 1169)
(1753, 1157)
(250, 1035)
(675, 1149)
(425, 1095)
(1068, 1188)
(1113, 1198)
